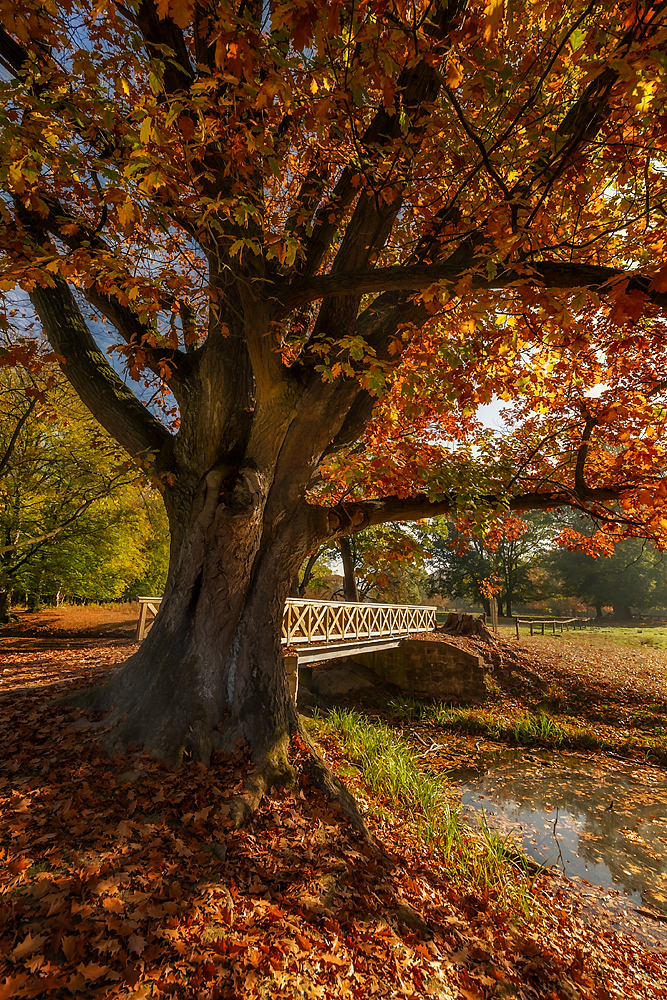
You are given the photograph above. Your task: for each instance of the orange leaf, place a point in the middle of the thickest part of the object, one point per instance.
(136, 944)
(115, 905)
(92, 971)
(68, 945)
(10, 987)
(28, 946)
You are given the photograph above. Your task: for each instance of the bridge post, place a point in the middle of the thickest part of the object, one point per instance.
(292, 671)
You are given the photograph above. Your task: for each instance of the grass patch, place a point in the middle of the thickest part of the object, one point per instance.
(536, 729)
(391, 773)
(651, 636)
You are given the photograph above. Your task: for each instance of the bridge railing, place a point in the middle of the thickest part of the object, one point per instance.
(313, 622)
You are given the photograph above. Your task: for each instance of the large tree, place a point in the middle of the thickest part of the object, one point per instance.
(288, 211)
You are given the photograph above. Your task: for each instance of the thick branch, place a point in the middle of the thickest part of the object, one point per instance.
(12, 55)
(94, 380)
(348, 518)
(123, 317)
(549, 274)
(162, 31)
(582, 454)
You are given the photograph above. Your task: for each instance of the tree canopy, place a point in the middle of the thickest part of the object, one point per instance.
(326, 233)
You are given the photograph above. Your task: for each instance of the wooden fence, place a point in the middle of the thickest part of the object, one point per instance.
(312, 622)
(562, 623)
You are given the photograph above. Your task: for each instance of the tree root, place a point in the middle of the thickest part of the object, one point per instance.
(274, 770)
(323, 777)
(272, 767)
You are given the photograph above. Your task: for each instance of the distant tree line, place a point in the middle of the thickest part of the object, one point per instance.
(448, 561)
(534, 570)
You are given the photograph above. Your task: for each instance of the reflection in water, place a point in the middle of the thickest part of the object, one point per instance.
(603, 822)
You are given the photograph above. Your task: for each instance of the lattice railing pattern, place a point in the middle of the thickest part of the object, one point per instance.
(311, 622)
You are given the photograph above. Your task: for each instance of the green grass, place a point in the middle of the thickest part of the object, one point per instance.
(539, 729)
(651, 636)
(389, 769)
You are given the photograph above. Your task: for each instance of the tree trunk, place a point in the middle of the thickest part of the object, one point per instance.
(351, 591)
(622, 612)
(211, 671)
(5, 606)
(598, 611)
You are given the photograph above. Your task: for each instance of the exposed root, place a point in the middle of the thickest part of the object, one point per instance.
(173, 737)
(273, 771)
(323, 777)
(89, 699)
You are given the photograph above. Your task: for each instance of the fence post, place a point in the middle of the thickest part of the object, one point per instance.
(143, 610)
(516, 622)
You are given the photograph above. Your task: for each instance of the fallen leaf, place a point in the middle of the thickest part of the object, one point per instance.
(27, 946)
(136, 944)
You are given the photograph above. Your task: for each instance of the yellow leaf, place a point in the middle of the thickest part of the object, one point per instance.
(146, 129)
(126, 213)
(454, 72)
(493, 18)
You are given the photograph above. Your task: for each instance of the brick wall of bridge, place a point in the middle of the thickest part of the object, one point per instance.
(429, 668)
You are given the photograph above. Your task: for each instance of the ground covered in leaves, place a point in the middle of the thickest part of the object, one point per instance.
(586, 690)
(121, 878)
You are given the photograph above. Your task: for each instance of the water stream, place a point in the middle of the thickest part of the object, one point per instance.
(600, 821)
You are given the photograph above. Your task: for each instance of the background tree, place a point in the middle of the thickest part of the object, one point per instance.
(388, 562)
(288, 211)
(77, 519)
(512, 550)
(632, 579)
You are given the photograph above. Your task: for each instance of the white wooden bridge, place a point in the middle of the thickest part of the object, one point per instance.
(321, 630)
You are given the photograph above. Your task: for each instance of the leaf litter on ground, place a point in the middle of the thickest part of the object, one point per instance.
(123, 878)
